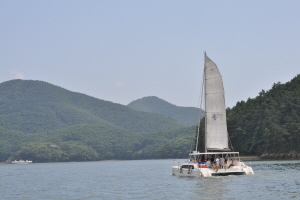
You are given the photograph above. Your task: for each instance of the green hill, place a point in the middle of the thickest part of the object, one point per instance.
(33, 106)
(34, 113)
(169, 144)
(188, 116)
(268, 124)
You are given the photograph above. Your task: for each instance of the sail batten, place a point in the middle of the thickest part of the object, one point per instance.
(216, 126)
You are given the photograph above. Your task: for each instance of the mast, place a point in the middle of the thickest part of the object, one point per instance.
(204, 80)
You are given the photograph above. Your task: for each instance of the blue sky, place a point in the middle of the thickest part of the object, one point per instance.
(120, 51)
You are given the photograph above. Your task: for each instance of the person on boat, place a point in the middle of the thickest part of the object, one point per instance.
(231, 164)
(218, 161)
(216, 167)
(203, 159)
(225, 164)
(200, 163)
(212, 162)
(222, 162)
(208, 164)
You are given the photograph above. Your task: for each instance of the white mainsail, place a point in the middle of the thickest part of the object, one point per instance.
(216, 135)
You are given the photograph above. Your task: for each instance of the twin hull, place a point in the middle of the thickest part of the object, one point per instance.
(195, 171)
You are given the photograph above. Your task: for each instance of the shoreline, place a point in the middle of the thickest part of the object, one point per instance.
(262, 158)
(243, 158)
(250, 158)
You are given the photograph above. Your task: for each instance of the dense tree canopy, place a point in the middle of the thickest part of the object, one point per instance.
(269, 123)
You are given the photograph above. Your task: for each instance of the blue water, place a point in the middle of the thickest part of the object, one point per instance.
(144, 179)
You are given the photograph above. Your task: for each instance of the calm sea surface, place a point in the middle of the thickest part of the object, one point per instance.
(144, 179)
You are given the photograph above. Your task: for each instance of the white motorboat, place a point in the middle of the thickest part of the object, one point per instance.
(21, 162)
(217, 158)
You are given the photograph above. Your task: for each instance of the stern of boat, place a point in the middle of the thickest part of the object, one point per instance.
(186, 168)
(248, 170)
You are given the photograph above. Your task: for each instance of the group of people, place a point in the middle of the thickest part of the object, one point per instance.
(216, 164)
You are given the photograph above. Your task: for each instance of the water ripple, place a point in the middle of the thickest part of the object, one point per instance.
(144, 179)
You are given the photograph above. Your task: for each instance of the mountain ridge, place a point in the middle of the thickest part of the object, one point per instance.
(23, 99)
(188, 116)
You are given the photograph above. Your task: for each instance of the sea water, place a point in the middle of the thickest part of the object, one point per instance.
(144, 179)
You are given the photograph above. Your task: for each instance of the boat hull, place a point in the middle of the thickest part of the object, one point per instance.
(228, 173)
(185, 172)
(21, 162)
(178, 170)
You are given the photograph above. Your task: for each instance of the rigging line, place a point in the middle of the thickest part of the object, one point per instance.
(191, 147)
(230, 141)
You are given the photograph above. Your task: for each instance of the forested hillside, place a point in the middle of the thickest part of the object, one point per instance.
(46, 123)
(188, 116)
(33, 106)
(268, 124)
(36, 114)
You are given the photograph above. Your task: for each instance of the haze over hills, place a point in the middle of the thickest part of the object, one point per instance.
(188, 116)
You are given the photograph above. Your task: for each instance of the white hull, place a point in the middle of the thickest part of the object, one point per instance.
(21, 162)
(196, 171)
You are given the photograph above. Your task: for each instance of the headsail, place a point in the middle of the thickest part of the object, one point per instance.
(216, 136)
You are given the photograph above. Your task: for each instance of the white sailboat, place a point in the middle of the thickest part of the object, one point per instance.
(217, 158)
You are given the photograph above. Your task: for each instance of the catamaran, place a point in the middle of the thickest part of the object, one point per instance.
(217, 158)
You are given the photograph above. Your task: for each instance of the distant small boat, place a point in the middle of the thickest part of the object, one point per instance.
(21, 162)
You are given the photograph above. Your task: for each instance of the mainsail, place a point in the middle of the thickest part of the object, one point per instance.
(216, 136)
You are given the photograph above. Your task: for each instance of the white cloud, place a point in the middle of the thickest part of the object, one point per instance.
(17, 75)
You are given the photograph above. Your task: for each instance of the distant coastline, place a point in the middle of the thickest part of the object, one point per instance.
(264, 157)
(273, 156)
